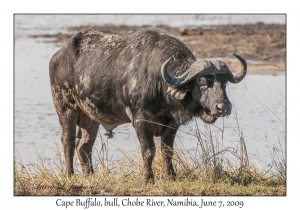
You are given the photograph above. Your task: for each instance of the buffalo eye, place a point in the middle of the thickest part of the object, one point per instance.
(206, 81)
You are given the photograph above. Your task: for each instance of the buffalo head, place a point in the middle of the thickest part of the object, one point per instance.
(208, 92)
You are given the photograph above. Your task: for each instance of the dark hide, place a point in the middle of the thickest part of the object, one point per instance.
(110, 79)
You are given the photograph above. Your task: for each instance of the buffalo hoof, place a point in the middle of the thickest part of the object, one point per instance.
(148, 177)
(149, 180)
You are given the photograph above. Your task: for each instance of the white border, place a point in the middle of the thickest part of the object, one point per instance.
(8, 201)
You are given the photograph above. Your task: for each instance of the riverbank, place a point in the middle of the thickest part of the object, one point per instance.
(205, 175)
(262, 45)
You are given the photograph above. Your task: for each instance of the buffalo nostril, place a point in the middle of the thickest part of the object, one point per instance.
(224, 108)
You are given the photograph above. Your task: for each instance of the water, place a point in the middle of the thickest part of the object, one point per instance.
(35, 24)
(259, 100)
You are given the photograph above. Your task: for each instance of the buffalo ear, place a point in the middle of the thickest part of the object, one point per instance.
(178, 93)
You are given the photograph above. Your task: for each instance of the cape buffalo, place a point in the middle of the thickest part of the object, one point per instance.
(148, 78)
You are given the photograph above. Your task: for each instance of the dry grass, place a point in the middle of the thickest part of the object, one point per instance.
(103, 183)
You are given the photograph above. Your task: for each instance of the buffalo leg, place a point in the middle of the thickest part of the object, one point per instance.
(68, 136)
(167, 142)
(147, 148)
(84, 144)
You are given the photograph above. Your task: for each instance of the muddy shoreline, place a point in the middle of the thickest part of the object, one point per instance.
(262, 45)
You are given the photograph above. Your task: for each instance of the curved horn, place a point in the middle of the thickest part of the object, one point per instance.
(241, 74)
(175, 81)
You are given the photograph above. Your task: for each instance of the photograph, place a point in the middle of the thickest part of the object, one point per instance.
(177, 105)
